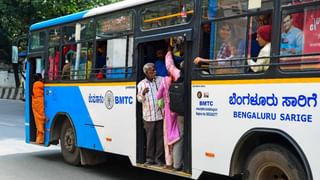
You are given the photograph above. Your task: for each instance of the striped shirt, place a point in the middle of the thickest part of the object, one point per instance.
(151, 112)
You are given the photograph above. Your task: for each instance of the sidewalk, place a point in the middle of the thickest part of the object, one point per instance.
(11, 93)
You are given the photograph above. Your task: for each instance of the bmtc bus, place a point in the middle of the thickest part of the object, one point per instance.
(256, 125)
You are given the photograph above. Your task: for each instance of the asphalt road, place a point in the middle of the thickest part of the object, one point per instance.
(21, 161)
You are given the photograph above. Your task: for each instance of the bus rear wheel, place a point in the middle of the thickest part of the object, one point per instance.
(273, 162)
(70, 152)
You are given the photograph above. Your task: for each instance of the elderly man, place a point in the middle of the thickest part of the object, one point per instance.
(152, 116)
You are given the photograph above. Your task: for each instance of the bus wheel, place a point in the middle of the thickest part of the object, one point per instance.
(70, 153)
(271, 162)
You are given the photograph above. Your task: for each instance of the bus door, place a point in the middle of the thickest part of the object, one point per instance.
(35, 64)
(153, 49)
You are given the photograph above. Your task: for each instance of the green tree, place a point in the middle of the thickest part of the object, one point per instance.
(16, 16)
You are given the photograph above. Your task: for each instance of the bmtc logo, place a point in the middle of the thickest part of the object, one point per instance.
(111, 100)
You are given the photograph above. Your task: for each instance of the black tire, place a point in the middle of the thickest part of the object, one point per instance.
(271, 161)
(70, 152)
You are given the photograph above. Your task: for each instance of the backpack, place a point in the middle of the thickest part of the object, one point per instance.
(176, 95)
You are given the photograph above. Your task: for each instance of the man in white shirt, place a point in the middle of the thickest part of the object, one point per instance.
(152, 115)
(263, 39)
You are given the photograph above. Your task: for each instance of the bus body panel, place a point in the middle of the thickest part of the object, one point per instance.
(27, 104)
(58, 21)
(229, 109)
(103, 116)
(69, 100)
(88, 13)
(115, 7)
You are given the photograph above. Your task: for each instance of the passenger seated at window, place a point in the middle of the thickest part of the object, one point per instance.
(260, 20)
(66, 70)
(229, 47)
(263, 39)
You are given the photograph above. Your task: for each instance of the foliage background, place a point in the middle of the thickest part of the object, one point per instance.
(16, 16)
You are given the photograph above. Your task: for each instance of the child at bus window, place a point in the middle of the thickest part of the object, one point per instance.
(263, 39)
(38, 107)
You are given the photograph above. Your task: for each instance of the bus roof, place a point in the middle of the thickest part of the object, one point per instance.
(88, 13)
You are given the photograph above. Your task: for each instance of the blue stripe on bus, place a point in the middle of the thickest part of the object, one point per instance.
(27, 109)
(59, 20)
(70, 101)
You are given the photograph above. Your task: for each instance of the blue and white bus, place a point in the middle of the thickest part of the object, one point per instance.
(252, 125)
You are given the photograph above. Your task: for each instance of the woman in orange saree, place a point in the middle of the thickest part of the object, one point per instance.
(38, 107)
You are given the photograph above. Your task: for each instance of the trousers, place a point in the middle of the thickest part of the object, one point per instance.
(178, 146)
(154, 142)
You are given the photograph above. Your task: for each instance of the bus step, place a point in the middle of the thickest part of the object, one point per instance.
(165, 170)
(34, 143)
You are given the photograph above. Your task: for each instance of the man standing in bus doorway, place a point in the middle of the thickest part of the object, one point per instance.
(38, 107)
(152, 116)
(291, 38)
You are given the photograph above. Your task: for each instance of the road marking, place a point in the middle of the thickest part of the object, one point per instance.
(7, 124)
(16, 146)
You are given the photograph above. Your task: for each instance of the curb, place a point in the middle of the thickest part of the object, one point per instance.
(11, 93)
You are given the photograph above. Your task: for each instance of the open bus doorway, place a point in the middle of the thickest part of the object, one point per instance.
(155, 52)
(35, 65)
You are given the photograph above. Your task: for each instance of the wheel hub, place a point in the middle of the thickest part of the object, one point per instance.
(270, 172)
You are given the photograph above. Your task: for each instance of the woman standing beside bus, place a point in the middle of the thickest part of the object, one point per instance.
(38, 107)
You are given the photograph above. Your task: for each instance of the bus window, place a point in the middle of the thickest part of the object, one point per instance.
(300, 42)
(167, 14)
(85, 61)
(78, 61)
(87, 30)
(78, 31)
(37, 40)
(227, 52)
(39, 66)
(69, 32)
(53, 54)
(254, 48)
(223, 8)
(114, 58)
(114, 25)
(54, 61)
(295, 2)
(212, 9)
